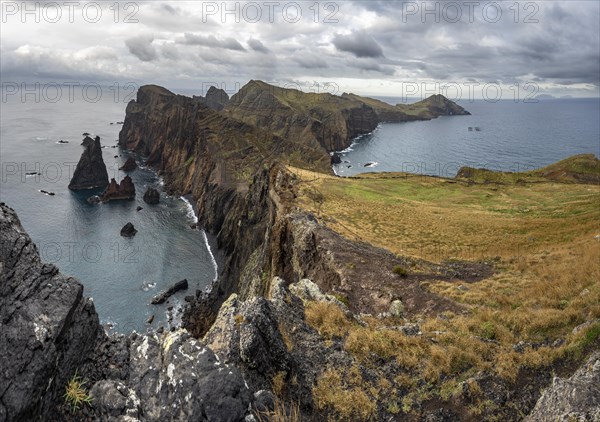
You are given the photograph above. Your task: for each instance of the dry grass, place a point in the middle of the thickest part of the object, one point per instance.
(547, 279)
(343, 397)
(438, 219)
(329, 320)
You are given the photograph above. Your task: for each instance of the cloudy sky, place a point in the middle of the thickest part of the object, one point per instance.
(373, 48)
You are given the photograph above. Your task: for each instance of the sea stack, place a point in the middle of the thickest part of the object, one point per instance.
(124, 190)
(91, 170)
(129, 165)
(151, 196)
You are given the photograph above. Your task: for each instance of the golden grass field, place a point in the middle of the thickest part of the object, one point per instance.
(544, 237)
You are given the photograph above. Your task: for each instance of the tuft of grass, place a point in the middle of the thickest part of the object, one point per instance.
(76, 395)
(400, 270)
(328, 319)
(281, 413)
(344, 400)
(278, 383)
(239, 319)
(584, 341)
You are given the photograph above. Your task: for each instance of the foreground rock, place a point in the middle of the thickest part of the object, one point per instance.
(47, 327)
(90, 171)
(129, 165)
(48, 331)
(115, 191)
(173, 377)
(151, 196)
(162, 297)
(128, 230)
(573, 399)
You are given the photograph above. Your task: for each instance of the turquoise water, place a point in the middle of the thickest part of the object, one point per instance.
(121, 275)
(504, 136)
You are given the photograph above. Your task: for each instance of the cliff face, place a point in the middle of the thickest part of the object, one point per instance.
(427, 109)
(49, 332)
(216, 99)
(47, 327)
(91, 170)
(222, 162)
(324, 120)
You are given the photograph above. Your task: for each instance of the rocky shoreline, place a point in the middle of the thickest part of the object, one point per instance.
(246, 345)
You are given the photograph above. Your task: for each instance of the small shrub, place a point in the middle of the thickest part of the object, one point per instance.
(328, 319)
(239, 319)
(488, 330)
(400, 270)
(75, 394)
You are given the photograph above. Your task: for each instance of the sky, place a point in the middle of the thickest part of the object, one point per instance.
(462, 49)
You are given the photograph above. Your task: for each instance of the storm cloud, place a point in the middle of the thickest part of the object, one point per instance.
(141, 47)
(367, 47)
(358, 43)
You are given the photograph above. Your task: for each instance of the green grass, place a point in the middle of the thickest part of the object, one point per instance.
(76, 395)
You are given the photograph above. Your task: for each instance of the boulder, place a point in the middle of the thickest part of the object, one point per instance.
(163, 296)
(335, 158)
(129, 165)
(128, 230)
(573, 399)
(151, 196)
(90, 171)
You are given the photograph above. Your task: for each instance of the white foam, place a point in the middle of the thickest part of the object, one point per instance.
(190, 209)
(212, 257)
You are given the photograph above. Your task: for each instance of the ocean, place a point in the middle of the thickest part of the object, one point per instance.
(121, 275)
(504, 136)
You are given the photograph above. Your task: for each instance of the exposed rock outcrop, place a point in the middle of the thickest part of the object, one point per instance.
(124, 190)
(163, 296)
(572, 399)
(49, 331)
(128, 230)
(129, 165)
(151, 196)
(216, 98)
(90, 171)
(47, 327)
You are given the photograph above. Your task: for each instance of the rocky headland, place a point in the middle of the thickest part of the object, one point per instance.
(90, 171)
(302, 321)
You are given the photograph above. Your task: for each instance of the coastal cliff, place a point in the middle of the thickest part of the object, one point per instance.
(50, 335)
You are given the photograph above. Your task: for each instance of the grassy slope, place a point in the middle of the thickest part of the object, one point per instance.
(547, 280)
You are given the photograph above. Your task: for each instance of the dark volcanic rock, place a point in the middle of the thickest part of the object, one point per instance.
(48, 330)
(335, 158)
(215, 99)
(124, 190)
(177, 379)
(128, 230)
(129, 165)
(91, 170)
(47, 327)
(163, 296)
(151, 196)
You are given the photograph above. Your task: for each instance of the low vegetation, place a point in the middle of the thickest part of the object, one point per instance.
(76, 395)
(545, 241)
